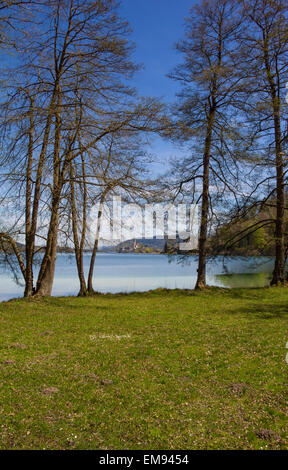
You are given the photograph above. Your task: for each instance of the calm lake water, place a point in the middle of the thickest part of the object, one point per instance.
(141, 272)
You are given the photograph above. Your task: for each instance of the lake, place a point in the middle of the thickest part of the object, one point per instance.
(141, 272)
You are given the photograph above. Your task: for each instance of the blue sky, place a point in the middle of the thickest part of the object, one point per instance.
(157, 25)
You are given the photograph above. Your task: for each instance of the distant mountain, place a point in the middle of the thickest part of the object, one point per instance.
(143, 245)
(140, 245)
(39, 249)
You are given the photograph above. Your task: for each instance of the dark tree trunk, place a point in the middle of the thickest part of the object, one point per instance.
(45, 285)
(30, 236)
(78, 247)
(201, 277)
(95, 247)
(47, 270)
(278, 278)
(29, 250)
(92, 264)
(279, 268)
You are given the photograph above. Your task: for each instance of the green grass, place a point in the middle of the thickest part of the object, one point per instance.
(161, 370)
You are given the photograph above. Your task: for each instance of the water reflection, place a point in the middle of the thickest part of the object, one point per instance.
(244, 280)
(141, 272)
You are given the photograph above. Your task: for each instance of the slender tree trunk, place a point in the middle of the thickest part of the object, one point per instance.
(96, 243)
(83, 290)
(28, 246)
(78, 247)
(201, 277)
(279, 268)
(278, 277)
(47, 270)
(30, 237)
(36, 198)
(5, 238)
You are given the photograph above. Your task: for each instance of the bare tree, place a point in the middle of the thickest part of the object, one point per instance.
(115, 167)
(263, 57)
(69, 80)
(205, 110)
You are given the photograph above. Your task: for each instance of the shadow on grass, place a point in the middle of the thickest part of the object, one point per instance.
(263, 303)
(262, 311)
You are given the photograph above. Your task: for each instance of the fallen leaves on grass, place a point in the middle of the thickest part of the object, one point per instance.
(47, 333)
(19, 346)
(268, 435)
(50, 390)
(111, 337)
(238, 389)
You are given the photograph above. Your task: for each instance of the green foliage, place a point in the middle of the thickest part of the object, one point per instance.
(244, 238)
(259, 239)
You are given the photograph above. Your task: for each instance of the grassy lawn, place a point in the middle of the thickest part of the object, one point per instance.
(162, 370)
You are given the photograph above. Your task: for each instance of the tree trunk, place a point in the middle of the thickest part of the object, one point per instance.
(96, 243)
(92, 264)
(29, 249)
(47, 270)
(83, 287)
(278, 278)
(78, 247)
(45, 283)
(30, 238)
(201, 277)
